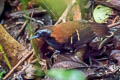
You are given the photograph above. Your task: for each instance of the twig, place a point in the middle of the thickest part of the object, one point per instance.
(33, 19)
(33, 41)
(22, 28)
(21, 71)
(63, 17)
(20, 14)
(100, 76)
(105, 40)
(20, 62)
(115, 24)
(17, 23)
(115, 19)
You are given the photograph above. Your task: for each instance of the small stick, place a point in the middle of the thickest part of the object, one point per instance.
(33, 19)
(65, 13)
(115, 19)
(17, 23)
(22, 28)
(20, 62)
(105, 40)
(115, 24)
(108, 37)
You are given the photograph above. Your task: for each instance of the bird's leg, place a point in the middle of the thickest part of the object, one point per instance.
(54, 56)
(90, 60)
(56, 52)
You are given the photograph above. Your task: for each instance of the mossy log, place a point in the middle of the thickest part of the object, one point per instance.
(11, 47)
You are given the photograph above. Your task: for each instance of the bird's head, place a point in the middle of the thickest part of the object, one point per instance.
(41, 33)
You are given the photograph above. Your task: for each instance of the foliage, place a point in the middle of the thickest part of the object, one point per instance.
(62, 74)
(30, 29)
(54, 7)
(24, 3)
(5, 57)
(38, 72)
(57, 7)
(2, 73)
(101, 13)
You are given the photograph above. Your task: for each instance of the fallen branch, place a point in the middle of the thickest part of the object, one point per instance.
(20, 62)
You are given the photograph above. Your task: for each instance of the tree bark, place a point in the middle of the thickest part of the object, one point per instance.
(11, 47)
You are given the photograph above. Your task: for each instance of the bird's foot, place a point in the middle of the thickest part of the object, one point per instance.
(56, 52)
(54, 56)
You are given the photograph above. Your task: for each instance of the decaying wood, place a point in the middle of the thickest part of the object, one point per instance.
(11, 47)
(110, 3)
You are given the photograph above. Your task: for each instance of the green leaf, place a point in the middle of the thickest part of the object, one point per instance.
(101, 13)
(2, 73)
(54, 7)
(57, 7)
(24, 3)
(1, 49)
(62, 74)
(38, 72)
(5, 57)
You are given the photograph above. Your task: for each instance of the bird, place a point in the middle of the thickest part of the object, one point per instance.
(68, 36)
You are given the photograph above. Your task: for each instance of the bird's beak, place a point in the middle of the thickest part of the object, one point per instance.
(33, 37)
